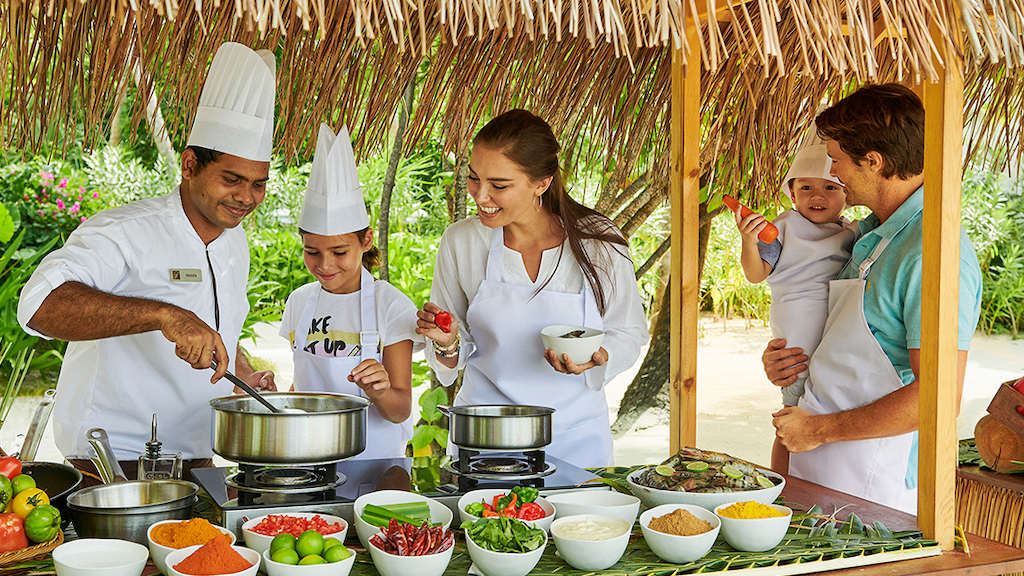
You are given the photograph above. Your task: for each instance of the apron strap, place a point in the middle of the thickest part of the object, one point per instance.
(368, 335)
(865, 266)
(306, 319)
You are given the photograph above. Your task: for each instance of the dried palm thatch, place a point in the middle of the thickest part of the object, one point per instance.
(599, 71)
(992, 512)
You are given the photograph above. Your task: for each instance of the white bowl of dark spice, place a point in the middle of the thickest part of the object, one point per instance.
(681, 532)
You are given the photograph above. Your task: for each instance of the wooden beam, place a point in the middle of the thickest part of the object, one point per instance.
(685, 199)
(944, 105)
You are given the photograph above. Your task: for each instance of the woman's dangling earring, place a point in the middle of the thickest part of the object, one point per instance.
(539, 202)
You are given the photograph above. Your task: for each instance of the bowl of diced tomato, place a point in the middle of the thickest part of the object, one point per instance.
(521, 502)
(259, 532)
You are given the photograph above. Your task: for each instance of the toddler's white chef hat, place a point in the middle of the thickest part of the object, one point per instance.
(236, 109)
(334, 199)
(811, 161)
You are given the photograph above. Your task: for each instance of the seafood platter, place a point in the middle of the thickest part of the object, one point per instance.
(704, 478)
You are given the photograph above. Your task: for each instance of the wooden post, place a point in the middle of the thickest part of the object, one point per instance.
(944, 105)
(685, 198)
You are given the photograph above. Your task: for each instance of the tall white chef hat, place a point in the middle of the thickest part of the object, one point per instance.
(334, 199)
(236, 108)
(811, 161)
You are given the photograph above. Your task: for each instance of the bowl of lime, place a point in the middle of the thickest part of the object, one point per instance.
(311, 554)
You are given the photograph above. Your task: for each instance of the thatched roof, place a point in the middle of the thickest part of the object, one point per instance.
(599, 69)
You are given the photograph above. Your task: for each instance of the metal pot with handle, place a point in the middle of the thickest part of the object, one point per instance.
(499, 427)
(126, 509)
(326, 428)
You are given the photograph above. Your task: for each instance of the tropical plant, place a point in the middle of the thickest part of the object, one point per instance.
(46, 200)
(993, 215)
(120, 177)
(724, 289)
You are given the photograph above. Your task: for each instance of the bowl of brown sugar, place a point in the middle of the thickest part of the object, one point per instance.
(680, 533)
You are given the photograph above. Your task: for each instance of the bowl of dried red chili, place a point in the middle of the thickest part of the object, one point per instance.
(215, 558)
(400, 549)
(260, 531)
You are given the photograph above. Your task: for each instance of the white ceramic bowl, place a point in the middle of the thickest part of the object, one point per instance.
(591, 555)
(594, 501)
(177, 556)
(755, 534)
(439, 513)
(488, 494)
(394, 565)
(651, 497)
(100, 557)
(159, 552)
(333, 569)
(504, 563)
(581, 349)
(679, 549)
(261, 542)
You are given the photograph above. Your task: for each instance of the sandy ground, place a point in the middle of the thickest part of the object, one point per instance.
(735, 400)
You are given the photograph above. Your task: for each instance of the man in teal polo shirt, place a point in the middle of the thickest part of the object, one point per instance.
(854, 429)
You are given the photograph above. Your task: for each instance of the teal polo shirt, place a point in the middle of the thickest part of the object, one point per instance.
(892, 297)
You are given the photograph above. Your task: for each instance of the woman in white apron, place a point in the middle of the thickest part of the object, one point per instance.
(350, 334)
(532, 257)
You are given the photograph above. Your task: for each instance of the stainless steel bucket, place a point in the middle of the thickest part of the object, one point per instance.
(126, 510)
(332, 428)
(499, 427)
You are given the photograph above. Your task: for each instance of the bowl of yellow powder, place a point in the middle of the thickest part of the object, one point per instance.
(752, 526)
(169, 535)
(679, 533)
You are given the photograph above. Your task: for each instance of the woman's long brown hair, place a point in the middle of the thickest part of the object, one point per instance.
(529, 142)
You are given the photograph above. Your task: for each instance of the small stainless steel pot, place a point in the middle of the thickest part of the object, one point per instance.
(498, 427)
(332, 428)
(126, 510)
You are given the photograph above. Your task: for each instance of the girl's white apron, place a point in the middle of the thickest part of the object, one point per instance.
(384, 439)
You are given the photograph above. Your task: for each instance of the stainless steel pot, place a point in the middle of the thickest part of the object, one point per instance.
(332, 428)
(498, 427)
(126, 510)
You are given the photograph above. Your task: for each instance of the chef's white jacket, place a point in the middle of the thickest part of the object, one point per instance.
(146, 249)
(461, 267)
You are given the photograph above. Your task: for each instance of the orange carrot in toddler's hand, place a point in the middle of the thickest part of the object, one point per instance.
(767, 235)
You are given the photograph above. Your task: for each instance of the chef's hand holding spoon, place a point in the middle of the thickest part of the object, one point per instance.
(565, 365)
(194, 341)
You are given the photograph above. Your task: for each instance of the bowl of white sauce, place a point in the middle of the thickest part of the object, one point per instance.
(590, 541)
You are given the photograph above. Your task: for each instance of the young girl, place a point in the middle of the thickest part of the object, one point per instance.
(814, 244)
(340, 324)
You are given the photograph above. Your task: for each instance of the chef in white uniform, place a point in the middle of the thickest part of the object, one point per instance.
(533, 257)
(350, 333)
(149, 293)
(854, 429)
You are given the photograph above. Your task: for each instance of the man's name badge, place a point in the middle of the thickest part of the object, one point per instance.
(186, 275)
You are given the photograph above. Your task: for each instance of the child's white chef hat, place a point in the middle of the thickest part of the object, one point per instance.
(236, 108)
(811, 161)
(334, 199)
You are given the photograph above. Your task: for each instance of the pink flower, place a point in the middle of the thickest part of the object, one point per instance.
(79, 197)
(46, 176)
(41, 211)
(60, 204)
(63, 183)
(83, 219)
(81, 189)
(75, 208)
(46, 196)
(95, 194)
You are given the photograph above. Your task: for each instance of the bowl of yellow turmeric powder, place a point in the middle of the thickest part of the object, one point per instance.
(170, 535)
(752, 526)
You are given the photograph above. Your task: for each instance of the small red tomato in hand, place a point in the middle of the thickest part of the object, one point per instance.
(770, 232)
(443, 321)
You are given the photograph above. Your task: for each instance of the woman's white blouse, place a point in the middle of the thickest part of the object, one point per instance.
(461, 267)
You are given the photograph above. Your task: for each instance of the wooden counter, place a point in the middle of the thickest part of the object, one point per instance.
(987, 556)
